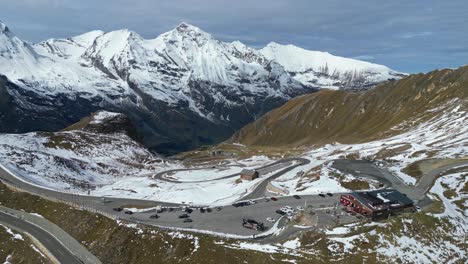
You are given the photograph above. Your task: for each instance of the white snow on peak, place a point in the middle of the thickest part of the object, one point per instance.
(68, 48)
(169, 66)
(3, 27)
(102, 116)
(309, 66)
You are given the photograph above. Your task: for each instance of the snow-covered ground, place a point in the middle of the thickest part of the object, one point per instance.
(114, 165)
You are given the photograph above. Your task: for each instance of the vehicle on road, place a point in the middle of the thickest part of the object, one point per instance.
(155, 216)
(281, 212)
(269, 219)
(330, 194)
(296, 196)
(417, 207)
(218, 208)
(209, 210)
(300, 208)
(322, 195)
(184, 216)
(202, 210)
(117, 209)
(188, 220)
(252, 202)
(252, 224)
(170, 209)
(128, 212)
(274, 199)
(188, 210)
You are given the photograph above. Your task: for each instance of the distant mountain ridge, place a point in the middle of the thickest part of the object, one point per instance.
(182, 89)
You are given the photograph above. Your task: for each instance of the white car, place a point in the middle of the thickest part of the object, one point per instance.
(300, 208)
(269, 219)
(288, 207)
(252, 202)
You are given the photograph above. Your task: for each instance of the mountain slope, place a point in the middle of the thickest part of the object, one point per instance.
(389, 109)
(96, 151)
(182, 89)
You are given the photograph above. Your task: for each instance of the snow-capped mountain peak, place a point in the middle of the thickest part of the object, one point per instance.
(3, 28)
(325, 70)
(184, 74)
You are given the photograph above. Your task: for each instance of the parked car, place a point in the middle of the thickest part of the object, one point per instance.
(218, 208)
(128, 212)
(188, 220)
(209, 210)
(155, 216)
(281, 212)
(183, 216)
(252, 224)
(330, 194)
(202, 210)
(117, 209)
(170, 209)
(252, 202)
(269, 219)
(188, 210)
(274, 199)
(322, 195)
(300, 208)
(296, 196)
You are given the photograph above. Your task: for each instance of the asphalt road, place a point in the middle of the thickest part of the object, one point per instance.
(362, 168)
(59, 251)
(229, 219)
(261, 170)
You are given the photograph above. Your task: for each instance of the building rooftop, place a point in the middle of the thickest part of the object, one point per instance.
(379, 199)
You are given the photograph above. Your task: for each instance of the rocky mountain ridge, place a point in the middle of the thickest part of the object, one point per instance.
(182, 89)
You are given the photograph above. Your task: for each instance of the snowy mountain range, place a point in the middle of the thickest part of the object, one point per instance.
(182, 89)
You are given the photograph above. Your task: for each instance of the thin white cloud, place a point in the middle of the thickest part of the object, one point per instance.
(416, 34)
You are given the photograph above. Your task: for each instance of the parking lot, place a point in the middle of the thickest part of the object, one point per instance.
(229, 219)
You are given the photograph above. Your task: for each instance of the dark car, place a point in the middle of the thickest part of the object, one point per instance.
(274, 199)
(209, 210)
(202, 210)
(183, 216)
(322, 195)
(188, 210)
(281, 212)
(155, 216)
(296, 196)
(188, 220)
(329, 194)
(117, 209)
(129, 212)
(170, 209)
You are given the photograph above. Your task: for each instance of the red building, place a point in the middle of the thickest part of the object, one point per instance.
(377, 204)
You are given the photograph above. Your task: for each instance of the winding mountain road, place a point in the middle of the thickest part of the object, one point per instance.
(417, 192)
(51, 243)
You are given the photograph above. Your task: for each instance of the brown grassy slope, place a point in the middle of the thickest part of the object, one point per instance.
(347, 117)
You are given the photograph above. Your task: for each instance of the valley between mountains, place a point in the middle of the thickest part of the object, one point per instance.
(127, 137)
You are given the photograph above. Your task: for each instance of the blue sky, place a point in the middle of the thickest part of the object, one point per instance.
(409, 36)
